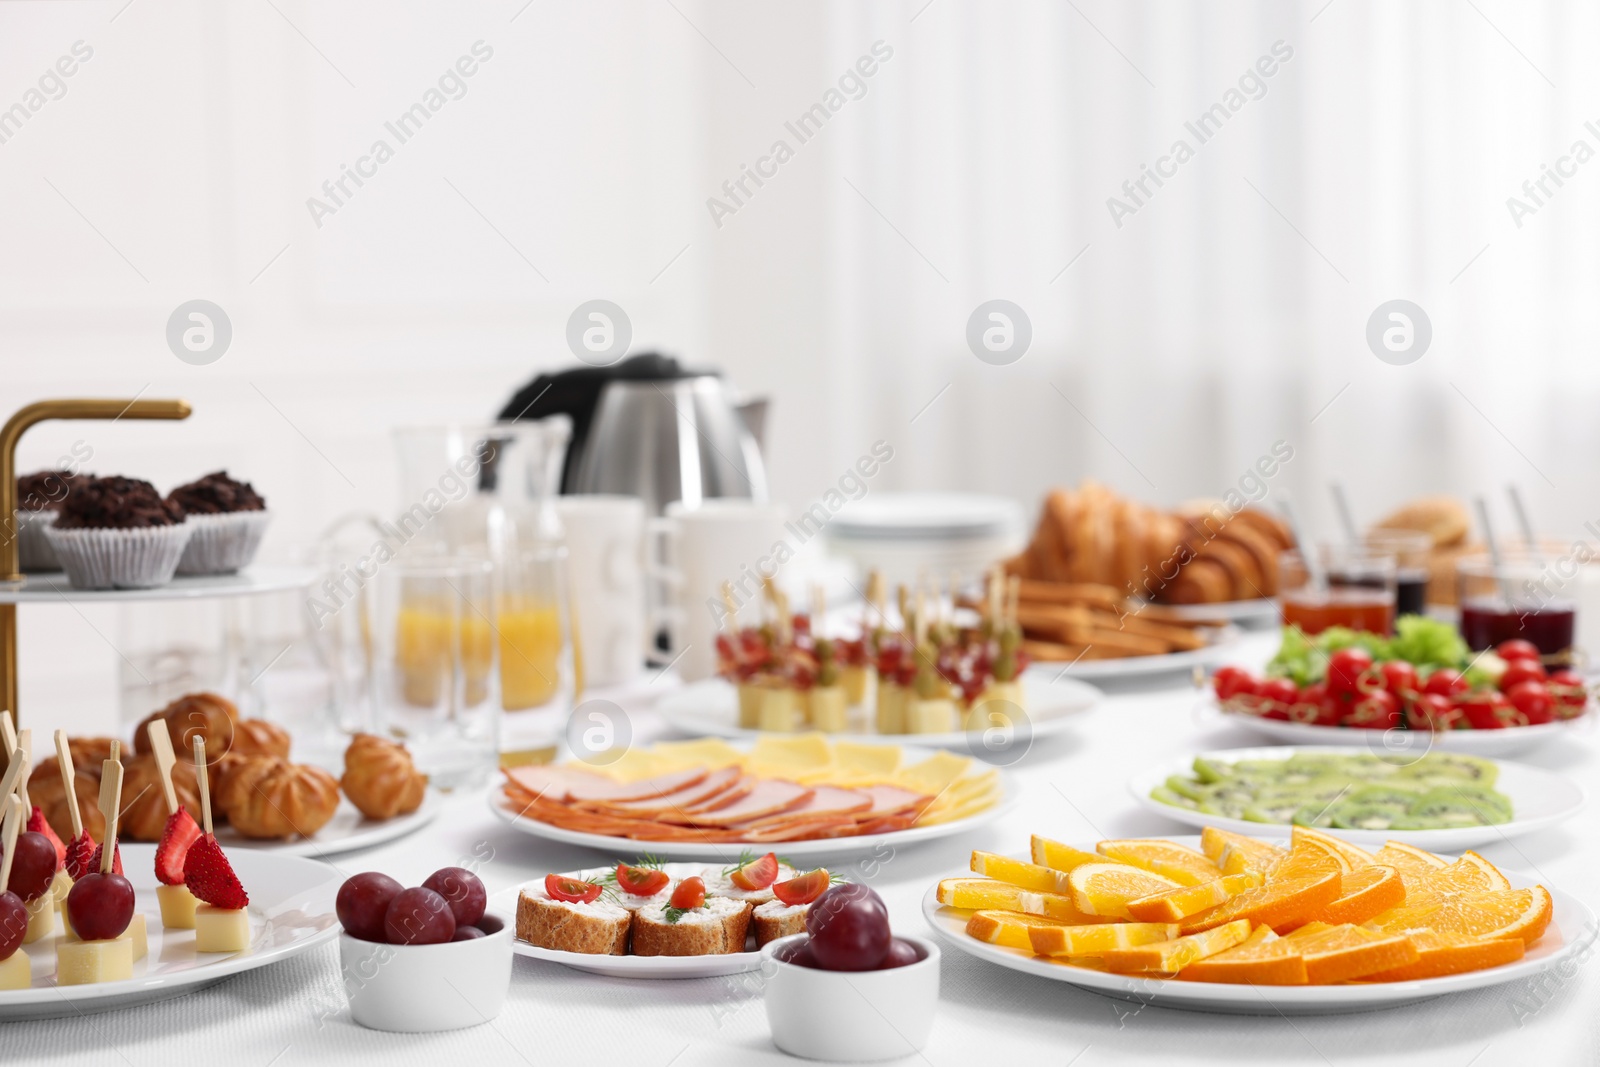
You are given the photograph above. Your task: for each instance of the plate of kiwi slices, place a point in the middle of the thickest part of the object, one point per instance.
(1440, 801)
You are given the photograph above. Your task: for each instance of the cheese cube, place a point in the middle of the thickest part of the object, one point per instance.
(829, 708)
(84, 962)
(749, 707)
(221, 929)
(41, 917)
(937, 716)
(780, 710)
(891, 712)
(60, 886)
(856, 680)
(177, 906)
(136, 933)
(16, 972)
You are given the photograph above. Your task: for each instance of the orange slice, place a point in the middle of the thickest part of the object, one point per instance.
(1340, 953)
(1097, 940)
(1356, 857)
(1441, 954)
(1259, 960)
(1027, 875)
(1309, 858)
(1106, 888)
(1236, 853)
(1060, 857)
(1175, 904)
(1169, 957)
(1183, 865)
(1280, 905)
(1519, 913)
(1469, 874)
(988, 894)
(1364, 893)
(1008, 929)
(1409, 861)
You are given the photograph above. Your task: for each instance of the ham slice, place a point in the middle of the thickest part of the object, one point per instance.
(800, 829)
(825, 801)
(573, 785)
(717, 789)
(892, 800)
(768, 797)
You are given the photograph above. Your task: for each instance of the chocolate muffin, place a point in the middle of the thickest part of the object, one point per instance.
(39, 497)
(118, 533)
(229, 518)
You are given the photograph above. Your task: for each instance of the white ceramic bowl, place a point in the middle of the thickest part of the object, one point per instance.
(850, 1016)
(423, 988)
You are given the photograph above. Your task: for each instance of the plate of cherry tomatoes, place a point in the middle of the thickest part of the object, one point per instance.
(1509, 709)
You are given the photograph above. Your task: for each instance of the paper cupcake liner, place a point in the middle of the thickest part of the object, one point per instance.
(222, 544)
(108, 558)
(34, 554)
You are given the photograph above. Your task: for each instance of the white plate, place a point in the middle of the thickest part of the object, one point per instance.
(798, 850)
(253, 581)
(651, 967)
(291, 910)
(1570, 931)
(712, 707)
(1260, 611)
(1539, 798)
(1138, 666)
(1493, 743)
(347, 831)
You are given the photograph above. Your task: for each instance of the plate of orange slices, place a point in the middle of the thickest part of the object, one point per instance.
(1227, 923)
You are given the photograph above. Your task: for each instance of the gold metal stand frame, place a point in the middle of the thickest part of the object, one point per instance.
(13, 430)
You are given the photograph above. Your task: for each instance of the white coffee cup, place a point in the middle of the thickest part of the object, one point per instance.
(693, 550)
(605, 569)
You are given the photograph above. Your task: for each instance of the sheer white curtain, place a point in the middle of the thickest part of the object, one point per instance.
(1229, 311)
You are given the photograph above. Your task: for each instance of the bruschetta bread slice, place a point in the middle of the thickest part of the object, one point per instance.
(716, 928)
(598, 928)
(775, 919)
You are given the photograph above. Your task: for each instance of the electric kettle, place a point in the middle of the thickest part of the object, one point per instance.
(651, 428)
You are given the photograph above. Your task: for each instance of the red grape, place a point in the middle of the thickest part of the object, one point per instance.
(901, 953)
(800, 955)
(849, 927)
(462, 889)
(35, 866)
(363, 902)
(419, 917)
(100, 906)
(13, 924)
(467, 933)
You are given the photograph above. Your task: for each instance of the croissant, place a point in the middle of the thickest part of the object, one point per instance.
(144, 802)
(266, 797)
(49, 792)
(380, 779)
(194, 714)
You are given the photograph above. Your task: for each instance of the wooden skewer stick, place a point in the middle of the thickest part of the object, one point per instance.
(69, 778)
(111, 808)
(11, 742)
(25, 742)
(161, 749)
(205, 783)
(8, 785)
(731, 608)
(8, 838)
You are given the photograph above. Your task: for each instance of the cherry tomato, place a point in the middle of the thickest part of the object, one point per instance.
(757, 874)
(1430, 711)
(1230, 682)
(1277, 695)
(691, 893)
(641, 881)
(1331, 711)
(1306, 704)
(1533, 700)
(1345, 668)
(1446, 682)
(1521, 670)
(1516, 648)
(1399, 677)
(1378, 710)
(570, 889)
(1572, 696)
(803, 889)
(1487, 711)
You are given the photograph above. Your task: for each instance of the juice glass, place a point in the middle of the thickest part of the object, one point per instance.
(1528, 597)
(1411, 551)
(1357, 590)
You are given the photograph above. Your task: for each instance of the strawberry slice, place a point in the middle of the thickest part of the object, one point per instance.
(180, 833)
(210, 877)
(79, 855)
(99, 851)
(38, 824)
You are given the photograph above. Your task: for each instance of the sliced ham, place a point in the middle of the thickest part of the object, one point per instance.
(717, 789)
(826, 800)
(768, 797)
(776, 830)
(892, 800)
(570, 784)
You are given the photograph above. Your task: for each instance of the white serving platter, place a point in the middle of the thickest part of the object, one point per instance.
(1571, 931)
(1539, 799)
(711, 708)
(1490, 743)
(252, 581)
(1138, 666)
(291, 910)
(347, 831)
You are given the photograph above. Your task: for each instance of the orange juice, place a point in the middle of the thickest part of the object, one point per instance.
(426, 646)
(530, 652)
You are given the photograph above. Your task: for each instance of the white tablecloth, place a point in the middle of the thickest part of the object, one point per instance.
(1073, 788)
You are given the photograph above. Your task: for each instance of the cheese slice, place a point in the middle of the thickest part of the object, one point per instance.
(855, 758)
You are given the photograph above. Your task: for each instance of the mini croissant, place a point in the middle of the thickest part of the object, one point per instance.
(380, 779)
(269, 797)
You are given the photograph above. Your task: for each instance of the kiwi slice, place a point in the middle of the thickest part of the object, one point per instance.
(1443, 809)
(1186, 787)
(1227, 807)
(1317, 815)
(1273, 811)
(1167, 796)
(1453, 765)
(1362, 815)
(1210, 771)
(1490, 806)
(1391, 796)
